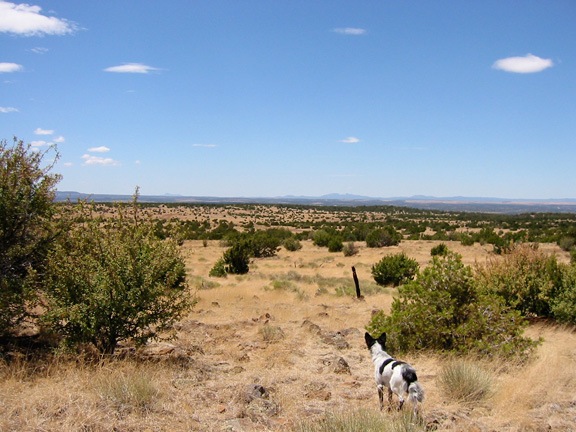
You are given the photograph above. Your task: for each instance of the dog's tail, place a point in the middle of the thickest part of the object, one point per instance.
(415, 392)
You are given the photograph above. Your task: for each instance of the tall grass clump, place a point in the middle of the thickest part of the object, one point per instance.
(128, 390)
(362, 420)
(464, 381)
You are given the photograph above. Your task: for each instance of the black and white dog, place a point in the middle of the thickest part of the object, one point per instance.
(397, 376)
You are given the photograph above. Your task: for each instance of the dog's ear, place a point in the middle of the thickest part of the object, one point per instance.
(382, 340)
(369, 339)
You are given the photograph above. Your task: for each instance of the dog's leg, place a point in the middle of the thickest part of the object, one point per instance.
(389, 398)
(381, 397)
(401, 403)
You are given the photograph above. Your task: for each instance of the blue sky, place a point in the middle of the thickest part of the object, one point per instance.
(267, 98)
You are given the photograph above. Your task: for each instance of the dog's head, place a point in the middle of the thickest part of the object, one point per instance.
(370, 341)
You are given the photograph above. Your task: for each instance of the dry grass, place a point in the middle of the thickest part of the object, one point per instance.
(283, 327)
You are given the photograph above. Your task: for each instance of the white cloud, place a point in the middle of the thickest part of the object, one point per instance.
(39, 143)
(131, 68)
(59, 139)
(527, 64)
(97, 160)
(205, 145)
(10, 67)
(40, 131)
(27, 20)
(101, 149)
(40, 50)
(350, 140)
(68, 164)
(5, 110)
(351, 31)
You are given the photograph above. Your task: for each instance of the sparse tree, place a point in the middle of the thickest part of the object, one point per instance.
(114, 280)
(27, 190)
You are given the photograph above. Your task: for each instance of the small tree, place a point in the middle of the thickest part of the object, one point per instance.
(27, 190)
(394, 269)
(114, 280)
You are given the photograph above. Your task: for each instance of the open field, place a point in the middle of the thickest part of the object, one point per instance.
(291, 326)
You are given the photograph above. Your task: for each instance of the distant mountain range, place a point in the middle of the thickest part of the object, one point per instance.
(458, 203)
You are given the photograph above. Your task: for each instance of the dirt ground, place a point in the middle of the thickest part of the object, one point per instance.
(263, 351)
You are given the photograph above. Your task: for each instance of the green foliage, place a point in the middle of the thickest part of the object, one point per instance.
(114, 281)
(219, 269)
(563, 304)
(525, 278)
(441, 249)
(335, 245)
(444, 310)
(292, 244)
(394, 269)
(27, 227)
(322, 237)
(381, 237)
(237, 258)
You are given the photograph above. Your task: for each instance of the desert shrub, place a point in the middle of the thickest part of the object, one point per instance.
(27, 190)
(381, 237)
(440, 249)
(463, 381)
(566, 243)
(394, 269)
(466, 239)
(444, 310)
(335, 245)
(525, 278)
(350, 249)
(106, 283)
(563, 304)
(219, 269)
(292, 244)
(237, 258)
(321, 237)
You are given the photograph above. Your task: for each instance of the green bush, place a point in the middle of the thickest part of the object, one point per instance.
(440, 249)
(444, 310)
(27, 229)
(525, 278)
(219, 269)
(563, 304)
(335, 245)
(394, 269)
(114, 281)
(292, 244)
(381, 237)
(237, 258)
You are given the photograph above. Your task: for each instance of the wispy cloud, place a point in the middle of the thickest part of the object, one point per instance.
(27, 20)
(205, 145)
(350, 31)
(40, 131)
(5, 110)
(39, 143)
(350, 140)
(59, 139)
(39, 50)
(10, 67)
(527, 64)
(131, 68)
(97, 160)
(101, 149)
